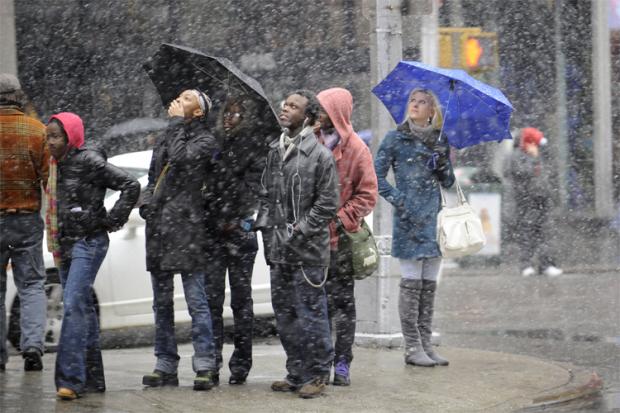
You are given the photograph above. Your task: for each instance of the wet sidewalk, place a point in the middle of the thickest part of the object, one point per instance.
(474, 381)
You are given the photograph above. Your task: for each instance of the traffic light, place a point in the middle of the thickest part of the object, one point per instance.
(479, 52)
(468, 48)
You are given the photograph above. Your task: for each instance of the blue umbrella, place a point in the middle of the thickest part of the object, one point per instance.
(473, 111)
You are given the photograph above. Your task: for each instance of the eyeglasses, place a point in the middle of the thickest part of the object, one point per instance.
(234, 115)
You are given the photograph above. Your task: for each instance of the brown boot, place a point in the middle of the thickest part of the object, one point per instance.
(313, 389)
(425, 321)
(284, 386)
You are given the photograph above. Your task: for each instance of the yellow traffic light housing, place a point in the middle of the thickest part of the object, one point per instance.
(468, 48)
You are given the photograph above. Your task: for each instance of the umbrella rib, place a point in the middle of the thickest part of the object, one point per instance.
(225, 83)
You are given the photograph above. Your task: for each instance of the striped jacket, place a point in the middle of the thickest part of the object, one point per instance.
(24, 160)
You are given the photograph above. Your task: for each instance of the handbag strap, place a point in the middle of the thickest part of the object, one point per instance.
(460, 195)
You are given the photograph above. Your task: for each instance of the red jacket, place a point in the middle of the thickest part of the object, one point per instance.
(356, 172)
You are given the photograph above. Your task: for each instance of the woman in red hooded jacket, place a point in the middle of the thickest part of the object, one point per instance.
(77, 228)
(358, 196)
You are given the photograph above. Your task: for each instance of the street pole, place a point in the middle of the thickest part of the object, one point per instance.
(560, 143)
(8, 51)
(377, 296)
(601, 94)
(430, 35)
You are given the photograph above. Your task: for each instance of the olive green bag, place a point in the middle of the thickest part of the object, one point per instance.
(357, 252)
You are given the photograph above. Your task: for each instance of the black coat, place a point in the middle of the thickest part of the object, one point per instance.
(301, 191)
(174, 207)
(234, 196)
(84, 175)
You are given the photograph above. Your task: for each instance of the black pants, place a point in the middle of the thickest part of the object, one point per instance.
(341, 308)
(532, 232)
(233, 251)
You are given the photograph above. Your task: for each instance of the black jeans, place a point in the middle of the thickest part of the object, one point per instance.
(233, 251)
(531, 234)
(341, 307)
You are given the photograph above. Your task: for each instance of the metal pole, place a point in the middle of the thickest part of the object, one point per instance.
(601, 94)
(377, 296)
(8, 50)
(560, 143)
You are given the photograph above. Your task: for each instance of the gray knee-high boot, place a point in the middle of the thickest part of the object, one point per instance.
(408, 310)
(425, 321)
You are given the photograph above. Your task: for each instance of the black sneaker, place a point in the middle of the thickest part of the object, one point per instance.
(205, 380)
(32, 359)
(2, 367)
(236, 379)
(158, 378)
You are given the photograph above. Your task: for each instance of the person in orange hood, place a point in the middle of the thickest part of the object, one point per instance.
(358, 196)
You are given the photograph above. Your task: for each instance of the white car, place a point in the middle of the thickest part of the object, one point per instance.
(122, 290)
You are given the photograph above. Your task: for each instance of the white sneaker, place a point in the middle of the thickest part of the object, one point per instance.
(528, 272)
(552, 271)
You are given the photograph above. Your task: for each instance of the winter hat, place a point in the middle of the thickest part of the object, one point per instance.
(9, 83)
(532, 136)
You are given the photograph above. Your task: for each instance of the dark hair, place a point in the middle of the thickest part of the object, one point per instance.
(313, 106)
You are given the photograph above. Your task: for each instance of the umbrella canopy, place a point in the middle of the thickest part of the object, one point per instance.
(174, 69)
(473, 111)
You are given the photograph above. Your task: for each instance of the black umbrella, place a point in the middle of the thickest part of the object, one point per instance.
(176, 68)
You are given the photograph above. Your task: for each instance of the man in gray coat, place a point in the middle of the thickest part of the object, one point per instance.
(299, 198)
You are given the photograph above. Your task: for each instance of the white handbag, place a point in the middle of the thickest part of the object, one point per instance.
(459, 229)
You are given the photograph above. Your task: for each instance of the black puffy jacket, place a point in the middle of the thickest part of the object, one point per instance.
(84, 175)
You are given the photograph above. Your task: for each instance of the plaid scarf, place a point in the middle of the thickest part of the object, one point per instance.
(51, 215)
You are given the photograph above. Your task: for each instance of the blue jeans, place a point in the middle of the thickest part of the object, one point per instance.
(78, 364)
(20, 242)
(302, 322)
(202, 334)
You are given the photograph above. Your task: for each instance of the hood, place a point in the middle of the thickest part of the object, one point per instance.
(338, 103)
(73, 126)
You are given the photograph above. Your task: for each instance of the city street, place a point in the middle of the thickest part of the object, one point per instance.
(509, 339)
(573, 318)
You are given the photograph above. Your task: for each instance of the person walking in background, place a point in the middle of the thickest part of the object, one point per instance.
(23, 169)
(232, 203)
(77, 228)
(420, 160)
(532, 188)
(174, 210)
(298, 200)
(358, 196)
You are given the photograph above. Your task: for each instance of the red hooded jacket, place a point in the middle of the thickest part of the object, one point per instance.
(356, 171)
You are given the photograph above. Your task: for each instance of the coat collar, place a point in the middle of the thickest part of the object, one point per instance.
(307, 144)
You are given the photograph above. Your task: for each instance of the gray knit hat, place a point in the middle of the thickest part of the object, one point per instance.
(9, 83)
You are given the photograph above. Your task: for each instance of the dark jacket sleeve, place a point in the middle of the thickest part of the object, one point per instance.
(185, 151)
(383, 163)
(110, 176)
(444, 171)
(326, 203)
(262, 219)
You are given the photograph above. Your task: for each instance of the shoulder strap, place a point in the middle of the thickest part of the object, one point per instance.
(459, 194)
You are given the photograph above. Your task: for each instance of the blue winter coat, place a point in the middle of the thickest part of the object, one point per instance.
(416, 200)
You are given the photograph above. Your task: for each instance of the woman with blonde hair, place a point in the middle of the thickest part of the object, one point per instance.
(419, 156)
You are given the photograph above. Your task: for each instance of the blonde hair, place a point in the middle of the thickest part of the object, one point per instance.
(437, 119)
